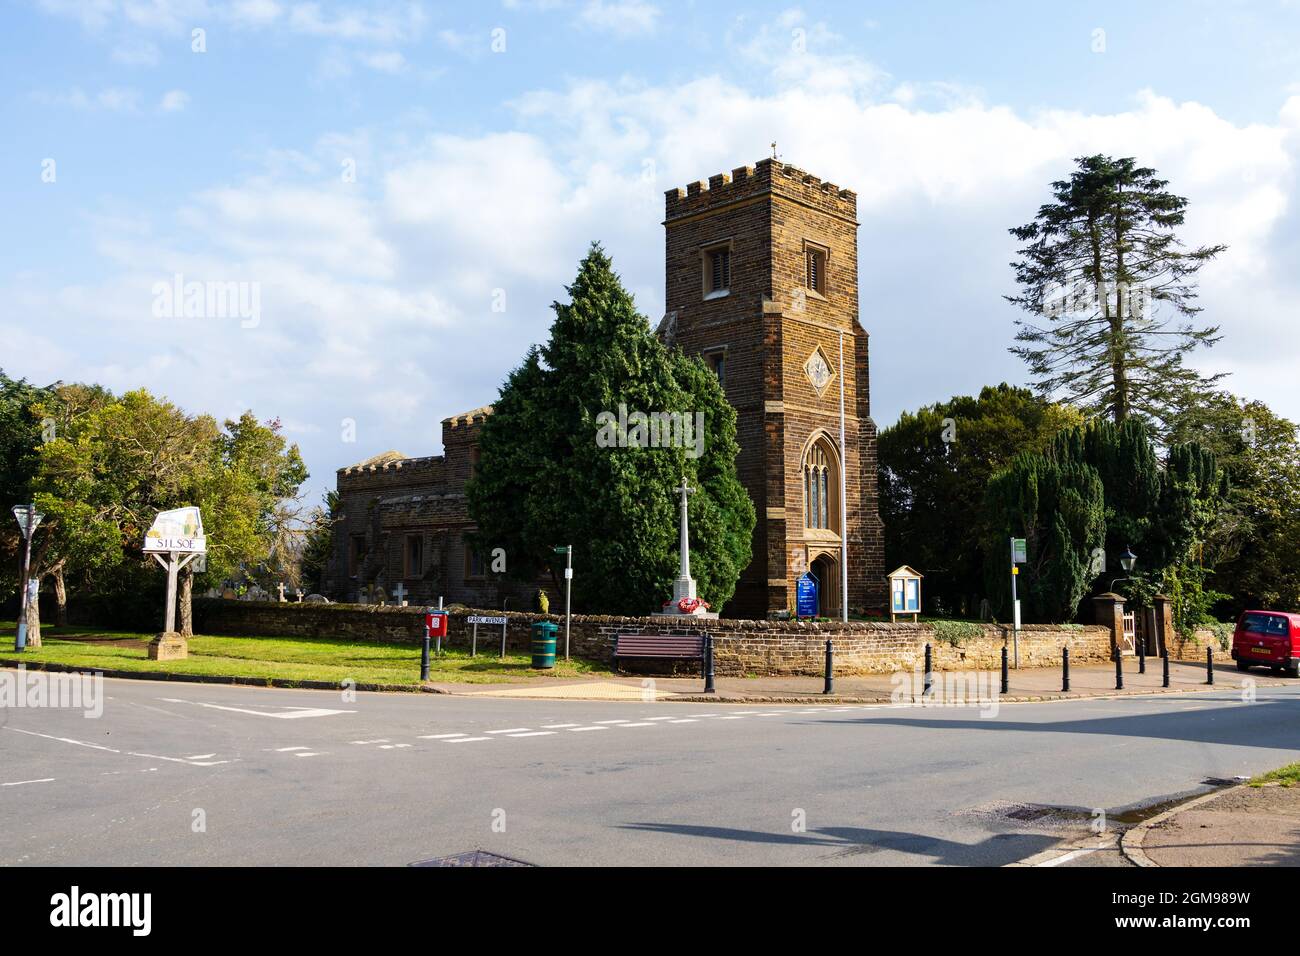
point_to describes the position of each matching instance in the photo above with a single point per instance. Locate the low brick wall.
(763, 648)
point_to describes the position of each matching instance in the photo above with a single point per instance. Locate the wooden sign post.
(175, 539)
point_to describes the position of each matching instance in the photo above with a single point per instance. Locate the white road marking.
(509, 730)
(1073, 855)
(290, 713)
(64, 740)
(644, 723)
(620, 721)
(192, 763)
(392, 746)
(661, 718)
(734, 717)
(200, 757)
(578, 730)
(533, 733)
(19, 783)
(285, 750)
(309, 753)
(558, 726)
(467, 740)
(431, 737)
(380, 740)
(683, 720)
(704, 715)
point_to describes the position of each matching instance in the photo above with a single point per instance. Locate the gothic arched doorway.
(826, 569)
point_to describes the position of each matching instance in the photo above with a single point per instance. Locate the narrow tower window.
(719, 270)
(815, 278)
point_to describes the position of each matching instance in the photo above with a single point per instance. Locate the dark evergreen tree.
(545, 478)
(1110, 289)
(1058, 507)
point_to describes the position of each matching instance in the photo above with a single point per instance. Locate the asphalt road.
(188, 774)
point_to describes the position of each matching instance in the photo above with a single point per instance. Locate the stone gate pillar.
(1164, 622)
(1108, 610)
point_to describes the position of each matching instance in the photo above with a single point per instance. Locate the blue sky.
(492, 142)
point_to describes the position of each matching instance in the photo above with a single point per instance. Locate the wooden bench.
(682, 647)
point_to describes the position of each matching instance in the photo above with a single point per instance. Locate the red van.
(1268, 638)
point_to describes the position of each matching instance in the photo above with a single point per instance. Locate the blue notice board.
(806, 600)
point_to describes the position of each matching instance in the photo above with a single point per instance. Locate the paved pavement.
(1243, 826)
(1037, 683)
(180, 774)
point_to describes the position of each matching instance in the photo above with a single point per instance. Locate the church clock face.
(818, 371)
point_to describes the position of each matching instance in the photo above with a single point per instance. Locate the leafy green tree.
(935, 465)
(1163, 510)
(1251, 546)
(247, 491)
(319, 541)
(102, 480)
(20, 437)
(1058, 507)
(547, 479)
(1111, 292)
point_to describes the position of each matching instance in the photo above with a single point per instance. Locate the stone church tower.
(762, 282)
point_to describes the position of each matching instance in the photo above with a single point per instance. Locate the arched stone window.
(821, 488)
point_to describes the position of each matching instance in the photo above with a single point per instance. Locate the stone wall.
(741, 647)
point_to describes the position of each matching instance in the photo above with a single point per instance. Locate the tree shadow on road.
(844, 842)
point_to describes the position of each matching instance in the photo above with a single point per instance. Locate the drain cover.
(473, 858)
(1031, 812)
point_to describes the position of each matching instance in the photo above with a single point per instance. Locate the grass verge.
(1287, 776)
(286, 658)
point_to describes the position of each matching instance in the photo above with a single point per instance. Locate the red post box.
(436, 622)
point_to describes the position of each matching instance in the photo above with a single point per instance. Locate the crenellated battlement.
(765, 176)
(476, 417)
(390, 470)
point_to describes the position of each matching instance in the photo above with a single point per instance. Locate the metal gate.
(1130, 633)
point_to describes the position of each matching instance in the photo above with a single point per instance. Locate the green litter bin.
(544, 645)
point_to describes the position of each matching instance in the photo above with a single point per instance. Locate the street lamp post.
(1128, 561)
(28, 518)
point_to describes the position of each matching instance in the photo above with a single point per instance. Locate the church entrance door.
(826, 569)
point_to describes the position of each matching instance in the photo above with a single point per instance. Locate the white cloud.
(620, 17)
(174, 101)
(113, 99)
(255, 12)
(136, 52)
(387, 61)
(397, 24)
(377, 295)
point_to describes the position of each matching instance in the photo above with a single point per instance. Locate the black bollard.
(1209, 665)
(929, 672)
(1164, 665)
(1065, 670)
(708, 665)
(424, 657)
(1119, 670)
(1142, 656)
(830, 667)
(1004, 669)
